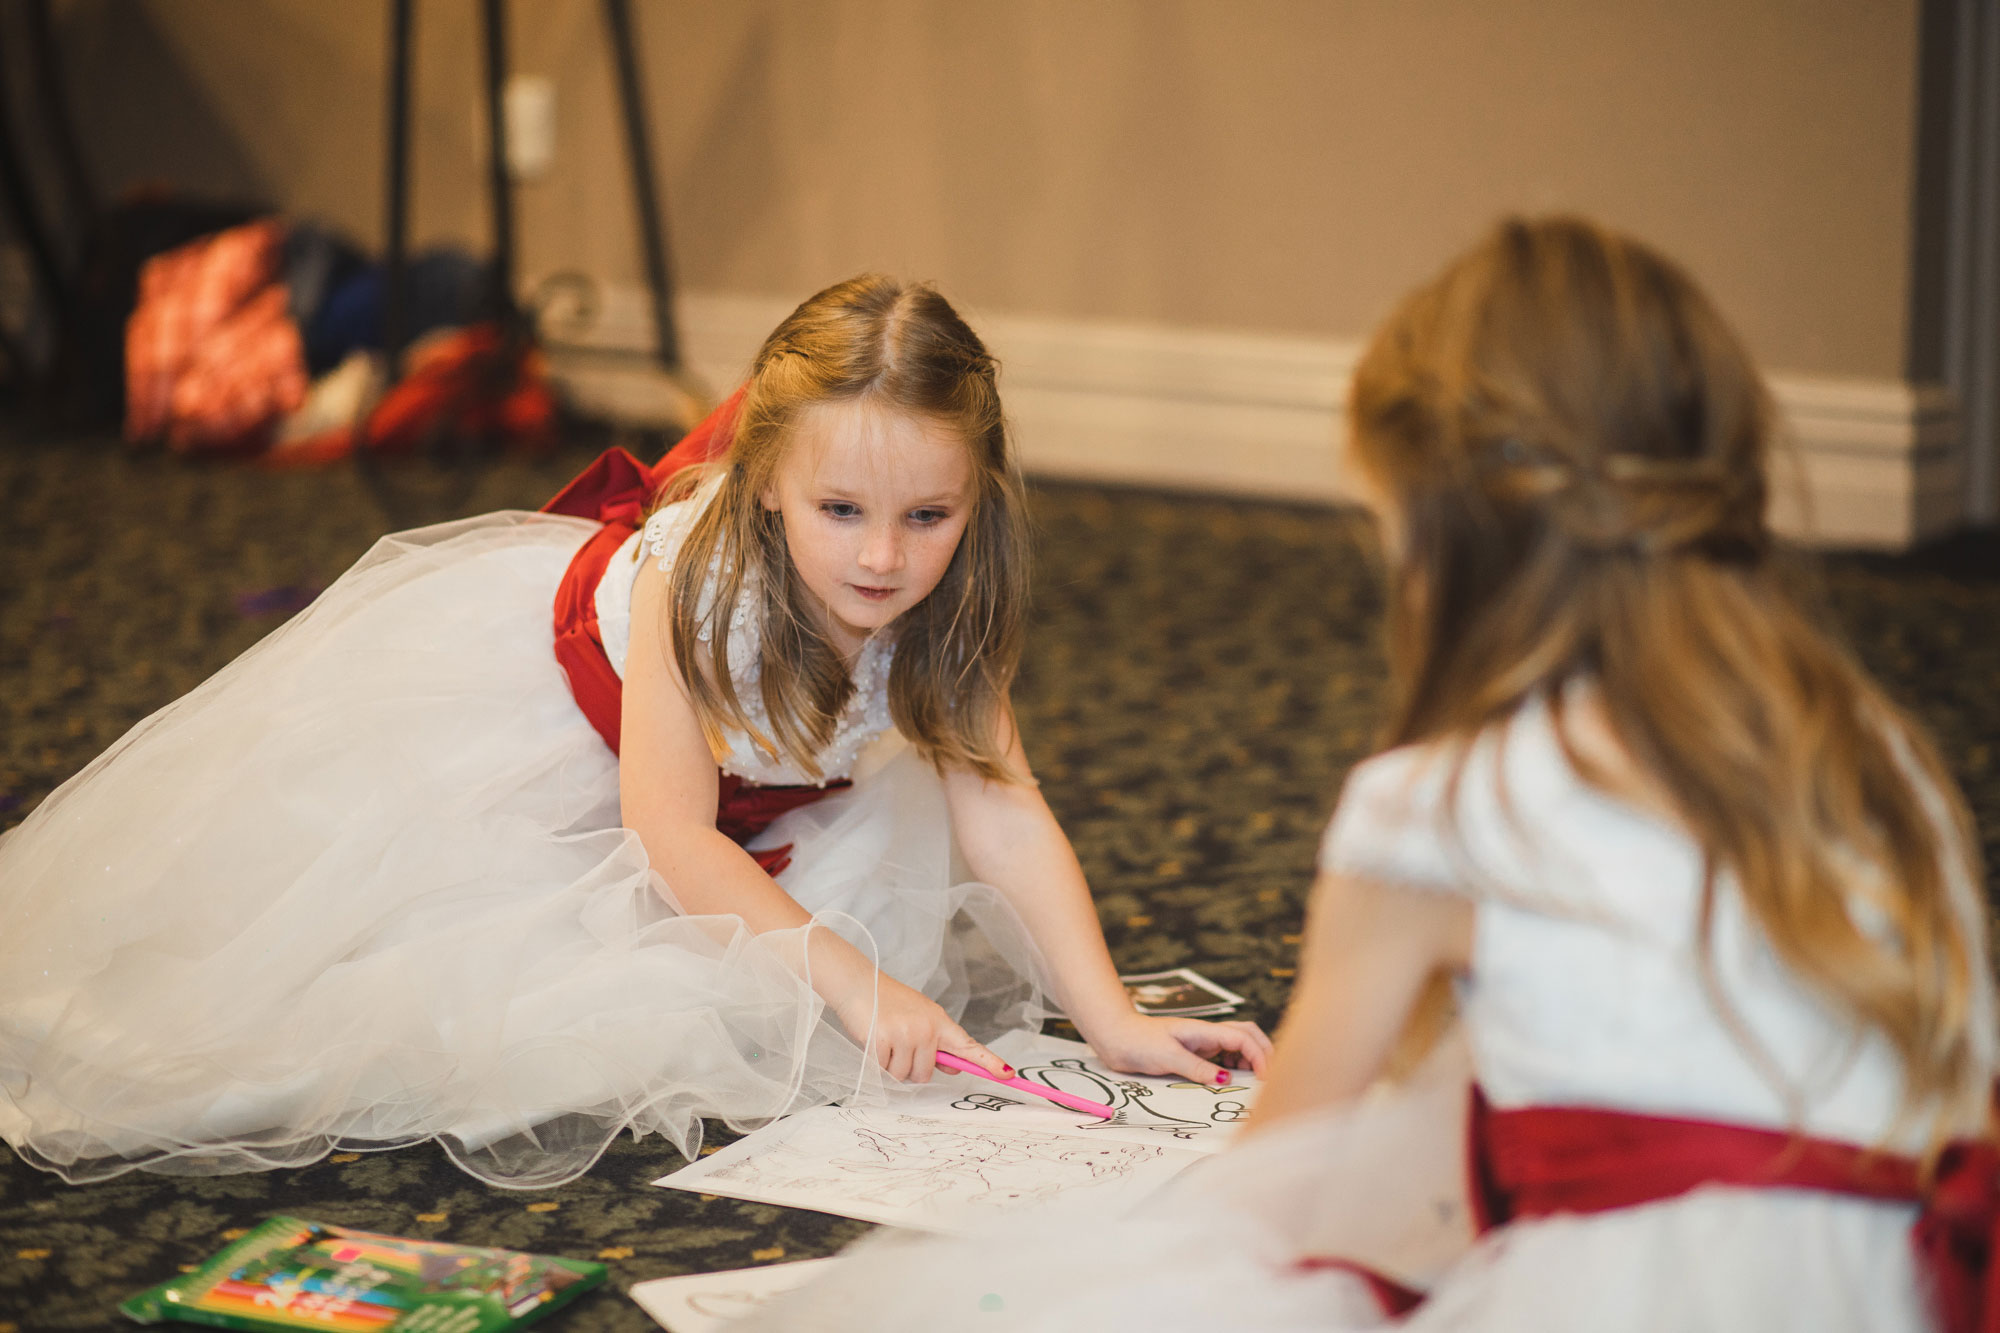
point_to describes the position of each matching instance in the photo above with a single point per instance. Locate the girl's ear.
(769, 497)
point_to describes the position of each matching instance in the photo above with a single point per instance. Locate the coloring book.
(953, 1153)
(1144, 1109)
(925, 1172)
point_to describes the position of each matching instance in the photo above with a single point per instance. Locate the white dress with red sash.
(1586, 990)
(368, 886)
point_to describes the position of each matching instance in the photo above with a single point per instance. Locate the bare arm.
(1011, 840)
(1371, 950)
(667, 788)
(668, 784)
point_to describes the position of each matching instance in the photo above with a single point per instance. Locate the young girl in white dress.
(1708, 898)
(385, 878)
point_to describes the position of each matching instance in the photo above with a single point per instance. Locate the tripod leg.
(639, 157)
(499, 187)
(17, 195)
(396, 190)
(52, 94)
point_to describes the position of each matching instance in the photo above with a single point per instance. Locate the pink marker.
(964, 1066)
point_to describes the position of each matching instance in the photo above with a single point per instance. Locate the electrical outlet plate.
(529, 105)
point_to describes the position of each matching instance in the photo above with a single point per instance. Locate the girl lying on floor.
(385, 878)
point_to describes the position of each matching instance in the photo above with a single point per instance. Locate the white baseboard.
(1881, 461)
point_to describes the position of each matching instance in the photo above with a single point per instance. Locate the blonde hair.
(902, 347)
(1575, 446)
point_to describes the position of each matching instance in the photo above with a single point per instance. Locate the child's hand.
(910, 1029)
(1184, 1046)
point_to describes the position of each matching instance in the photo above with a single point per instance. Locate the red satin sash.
(614, 491)
(1538, 1160)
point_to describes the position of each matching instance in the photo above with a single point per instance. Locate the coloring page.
(916, 1171)
(1144, 1109)
(706, 1302)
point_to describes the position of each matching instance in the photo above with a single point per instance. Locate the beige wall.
(1273, 165)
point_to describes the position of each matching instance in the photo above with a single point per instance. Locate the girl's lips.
(873, 594)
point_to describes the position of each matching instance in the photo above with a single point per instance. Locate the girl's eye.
(839, 509)
(929, 517)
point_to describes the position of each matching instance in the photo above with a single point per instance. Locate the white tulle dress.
(1584, 991)
(367, 886)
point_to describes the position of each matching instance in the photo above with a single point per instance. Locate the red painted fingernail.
(1008, 1070)
(1221, 1077)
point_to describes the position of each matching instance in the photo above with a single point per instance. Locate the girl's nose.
(882, 553)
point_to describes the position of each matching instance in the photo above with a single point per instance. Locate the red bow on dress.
(615, 491)
(1956, 1237)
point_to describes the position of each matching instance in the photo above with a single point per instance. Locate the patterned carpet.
(1200, 675)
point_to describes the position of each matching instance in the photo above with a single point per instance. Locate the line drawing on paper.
(909, 1163)
(1132, 1103)
(1144, 1108)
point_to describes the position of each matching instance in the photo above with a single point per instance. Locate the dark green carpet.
(1200, 675)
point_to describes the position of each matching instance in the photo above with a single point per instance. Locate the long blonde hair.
(869, 339)
(1575, 449)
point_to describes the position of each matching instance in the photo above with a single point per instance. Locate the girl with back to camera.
(1708, 897)
(387, 878)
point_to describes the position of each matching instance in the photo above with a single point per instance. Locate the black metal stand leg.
(639, 153)
(498, 185)
(17, 194)
(51, 88)
(397, 191)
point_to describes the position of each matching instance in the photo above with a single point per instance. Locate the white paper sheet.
(709, 1302)
(932, 1173)
(1146, 1109)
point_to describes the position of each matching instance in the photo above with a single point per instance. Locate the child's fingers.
(958, 1043)
(1245, 1041)
(1234, 1044)
(1182, 1057)
(924, 1059)
(898, 1058)
(1197, 1070)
